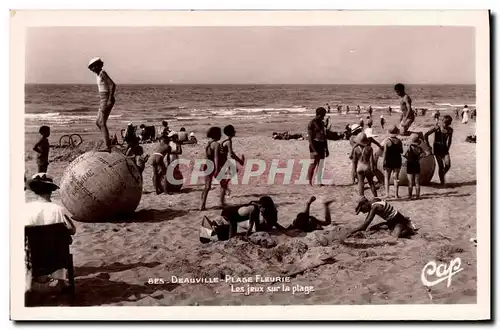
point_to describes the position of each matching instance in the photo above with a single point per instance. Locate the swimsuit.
(318, 133)
(413, 163)
(393, 154)
(440, 146)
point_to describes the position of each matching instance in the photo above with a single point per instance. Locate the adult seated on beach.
(182, 135)
(42, 212)
(304, 222)
(148, 133)
(192, 138)
(262, 213)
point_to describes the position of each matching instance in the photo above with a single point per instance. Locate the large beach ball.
(427, 164)
(97, 186)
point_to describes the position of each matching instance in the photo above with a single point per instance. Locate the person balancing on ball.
(106, 88)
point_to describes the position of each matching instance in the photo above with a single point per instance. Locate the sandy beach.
(114, 261)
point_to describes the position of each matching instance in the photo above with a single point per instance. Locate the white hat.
(381, 116)
(191, 134)
(130, 124)
(369, 132)
(94, 60)
(355, 127)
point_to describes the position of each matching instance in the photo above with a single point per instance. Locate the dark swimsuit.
(413, 159)
(393, 155)
(440, 146)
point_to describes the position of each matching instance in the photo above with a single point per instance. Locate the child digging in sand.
(42, 149)
(106, 96)
(413, 155)
(216, 155)
(307, 223)
(399, 224)
(363, 164)
(443, 135)
(393, 148)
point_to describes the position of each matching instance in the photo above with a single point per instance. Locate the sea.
(63, 105)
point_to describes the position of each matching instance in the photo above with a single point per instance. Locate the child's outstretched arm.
(355, 160)
(428, 133)
(450, 136)
(369, 218)
(233, 154)
(308, 205)
(376, 143)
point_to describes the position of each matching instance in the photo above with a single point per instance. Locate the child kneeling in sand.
(307, 223)
(399, 224)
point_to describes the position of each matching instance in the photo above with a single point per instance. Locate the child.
(183, 136)
(393, 148)
(307, 223)
(443, 135)
(363, 164)
(436, 116)
(106, 95)
(216, 155)
(413, 155)
(42, 148)
(165, 130)
(407, 113)
(139, 158)
(370, 110)
(192, 138)
(382, 121)
(227, 144)
(131, 139)
(361, 122)
(318, 144)
(174, 156)
(160, 180)
(369, 121)
(398, 223)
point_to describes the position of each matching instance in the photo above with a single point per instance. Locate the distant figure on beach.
(370, 110)
(393, 150)
(165, 130)
(443, 135)
(318, 145)
(160, 179)
(347, 109)
(400, 225)
(407, 113)
(413, 156)
(42, 212)
(328, 109)
(339, 109)
(436, 116)
(465, 114)
(192, 138)
(473, 114)
(148, 133)
(42, 148)
(382, 121)
(287, 136)
(106, 88)
(216, 157)
(183, 135)
(358, 108)
(457, 115)
(369, 122)
(305, 222)
(363, 164)
(361, 122)
(131, 139)
(390, 111)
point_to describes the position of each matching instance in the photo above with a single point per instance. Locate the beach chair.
(47, 250)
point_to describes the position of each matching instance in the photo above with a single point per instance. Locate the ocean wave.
(56, 117)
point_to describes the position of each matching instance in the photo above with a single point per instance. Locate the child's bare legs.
(223, 190)
(441, 167)
(447, 164)
(416, 178)
(308, 205)
(396, 181)
(312, 167)
(361, 183)
(369, 178)
(204, 194)
(102, 118)
(387, 178)
(411, 183)
(398, 230)
(328, 218)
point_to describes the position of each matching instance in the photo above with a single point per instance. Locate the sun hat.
(362, 139)
(94, 61)
(41, 183)
(191, 134)
(361, 200)
(393, 130)
(369, 132)
(415, 139)
(355, 127)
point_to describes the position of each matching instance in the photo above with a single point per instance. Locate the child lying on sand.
(307, 223)
(398, 223)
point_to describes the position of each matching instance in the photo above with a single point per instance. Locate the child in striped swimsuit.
(399, 224)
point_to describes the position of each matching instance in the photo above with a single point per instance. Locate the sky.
(254, 55)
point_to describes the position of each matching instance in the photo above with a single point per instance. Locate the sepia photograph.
(326, 161)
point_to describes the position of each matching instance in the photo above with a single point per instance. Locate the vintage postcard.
(250, 165)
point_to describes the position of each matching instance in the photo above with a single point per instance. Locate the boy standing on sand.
(407, 113)
(318, 145)
(107, 89)
(413, 155)
(42, 148)
(382, 121)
